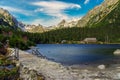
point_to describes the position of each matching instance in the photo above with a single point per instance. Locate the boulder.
(117, 52)
(101, 67)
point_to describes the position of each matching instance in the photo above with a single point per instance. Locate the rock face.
(21, 26)
(65, 24)
(34, 28)
(62, 23)
(99, 13)
(7, 19)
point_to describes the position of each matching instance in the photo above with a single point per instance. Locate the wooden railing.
(35, 51)
(14, 54)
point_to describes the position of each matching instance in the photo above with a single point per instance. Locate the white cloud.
(11, 9)
(39, 10)
(86, 1)
(55, 8)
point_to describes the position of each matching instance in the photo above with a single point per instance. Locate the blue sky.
(48, 12)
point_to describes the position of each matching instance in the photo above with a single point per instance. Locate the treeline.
(24, 40)
(78, 34)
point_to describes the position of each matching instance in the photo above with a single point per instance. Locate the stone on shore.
(117, 52)
(101, 67)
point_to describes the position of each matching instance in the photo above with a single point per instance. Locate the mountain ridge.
(7, 19)
(111, 19)
(98, 13)
(34, 28)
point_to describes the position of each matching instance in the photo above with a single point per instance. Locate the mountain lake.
(76, 54)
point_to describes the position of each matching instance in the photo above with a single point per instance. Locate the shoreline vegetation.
(75, 35)
(9, 66)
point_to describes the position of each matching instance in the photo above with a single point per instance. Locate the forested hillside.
(16, 38)
(78, 34)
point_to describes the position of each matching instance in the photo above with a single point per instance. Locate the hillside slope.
(112, 19)
(99, 13)
(34, 28)
(6, 19)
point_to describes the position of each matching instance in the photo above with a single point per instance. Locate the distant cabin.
(90, 40)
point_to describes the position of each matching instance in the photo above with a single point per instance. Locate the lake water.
(75, 54)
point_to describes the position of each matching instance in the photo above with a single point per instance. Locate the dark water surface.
(73, 54)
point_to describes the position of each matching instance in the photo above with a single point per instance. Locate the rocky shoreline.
(36, 68)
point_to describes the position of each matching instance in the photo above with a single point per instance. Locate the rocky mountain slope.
(34, 29)
(112, 19)
(65, 23)
(6, 19)
(99, 13)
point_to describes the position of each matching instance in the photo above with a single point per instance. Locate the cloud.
(86, 1)
(56, 9)
(11, 9)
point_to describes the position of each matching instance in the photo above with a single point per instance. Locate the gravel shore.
(55, 71)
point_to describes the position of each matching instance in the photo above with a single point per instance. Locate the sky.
(48, 12)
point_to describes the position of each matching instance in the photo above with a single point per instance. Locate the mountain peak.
(62, 22)
(34, 28)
